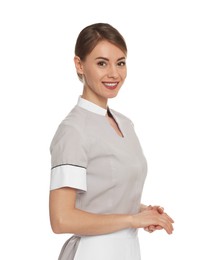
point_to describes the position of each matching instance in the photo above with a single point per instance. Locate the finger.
(169, 228)
(166, 224)
(158, 227)
(160, 209)
(149, 207)
(147, 229)
(151, 228)
(169, 218)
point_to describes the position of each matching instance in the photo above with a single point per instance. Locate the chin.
(112, 94)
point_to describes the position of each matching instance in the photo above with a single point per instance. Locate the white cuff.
(68, 176)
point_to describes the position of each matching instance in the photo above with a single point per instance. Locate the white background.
(166, 96)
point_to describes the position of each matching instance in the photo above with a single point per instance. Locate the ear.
(78, 64)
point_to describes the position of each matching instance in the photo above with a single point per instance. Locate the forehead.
(107, 50)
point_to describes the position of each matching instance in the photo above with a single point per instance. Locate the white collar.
(84, 103)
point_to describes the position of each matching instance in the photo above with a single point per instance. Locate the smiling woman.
(98, 167)
(103, 72)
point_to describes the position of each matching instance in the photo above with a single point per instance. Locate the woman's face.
(104, 71)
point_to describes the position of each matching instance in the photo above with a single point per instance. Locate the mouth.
(111, 85)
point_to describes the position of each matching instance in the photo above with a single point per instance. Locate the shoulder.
(72, 127)
(77, 118)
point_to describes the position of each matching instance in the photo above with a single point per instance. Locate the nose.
(113, 72)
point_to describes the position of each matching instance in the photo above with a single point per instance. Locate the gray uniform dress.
(108, 172)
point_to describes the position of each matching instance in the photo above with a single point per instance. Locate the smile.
(110, 85)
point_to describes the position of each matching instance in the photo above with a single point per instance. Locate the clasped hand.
(155, 218)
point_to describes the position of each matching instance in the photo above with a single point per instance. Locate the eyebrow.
(103, 58)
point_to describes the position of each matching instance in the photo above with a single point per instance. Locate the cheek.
(124, 74)
(88, 76)
(96, 76)
(90, 73)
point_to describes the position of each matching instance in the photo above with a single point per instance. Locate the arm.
(66, 218)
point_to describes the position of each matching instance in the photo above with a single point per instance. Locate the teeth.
(110, 84)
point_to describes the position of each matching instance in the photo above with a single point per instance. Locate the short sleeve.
(68, 159)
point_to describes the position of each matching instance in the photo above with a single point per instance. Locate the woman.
(98, 168)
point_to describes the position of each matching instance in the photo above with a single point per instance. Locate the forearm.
(84, 223)
(66, 218)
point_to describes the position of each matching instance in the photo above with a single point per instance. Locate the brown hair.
(91, 35)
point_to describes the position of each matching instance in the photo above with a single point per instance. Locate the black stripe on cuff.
(68, 164)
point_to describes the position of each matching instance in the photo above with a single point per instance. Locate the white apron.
(122, 245)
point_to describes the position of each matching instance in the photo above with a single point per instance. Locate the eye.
(101, 63)
(121, 63)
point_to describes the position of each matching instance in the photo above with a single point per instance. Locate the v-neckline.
(114, 124)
